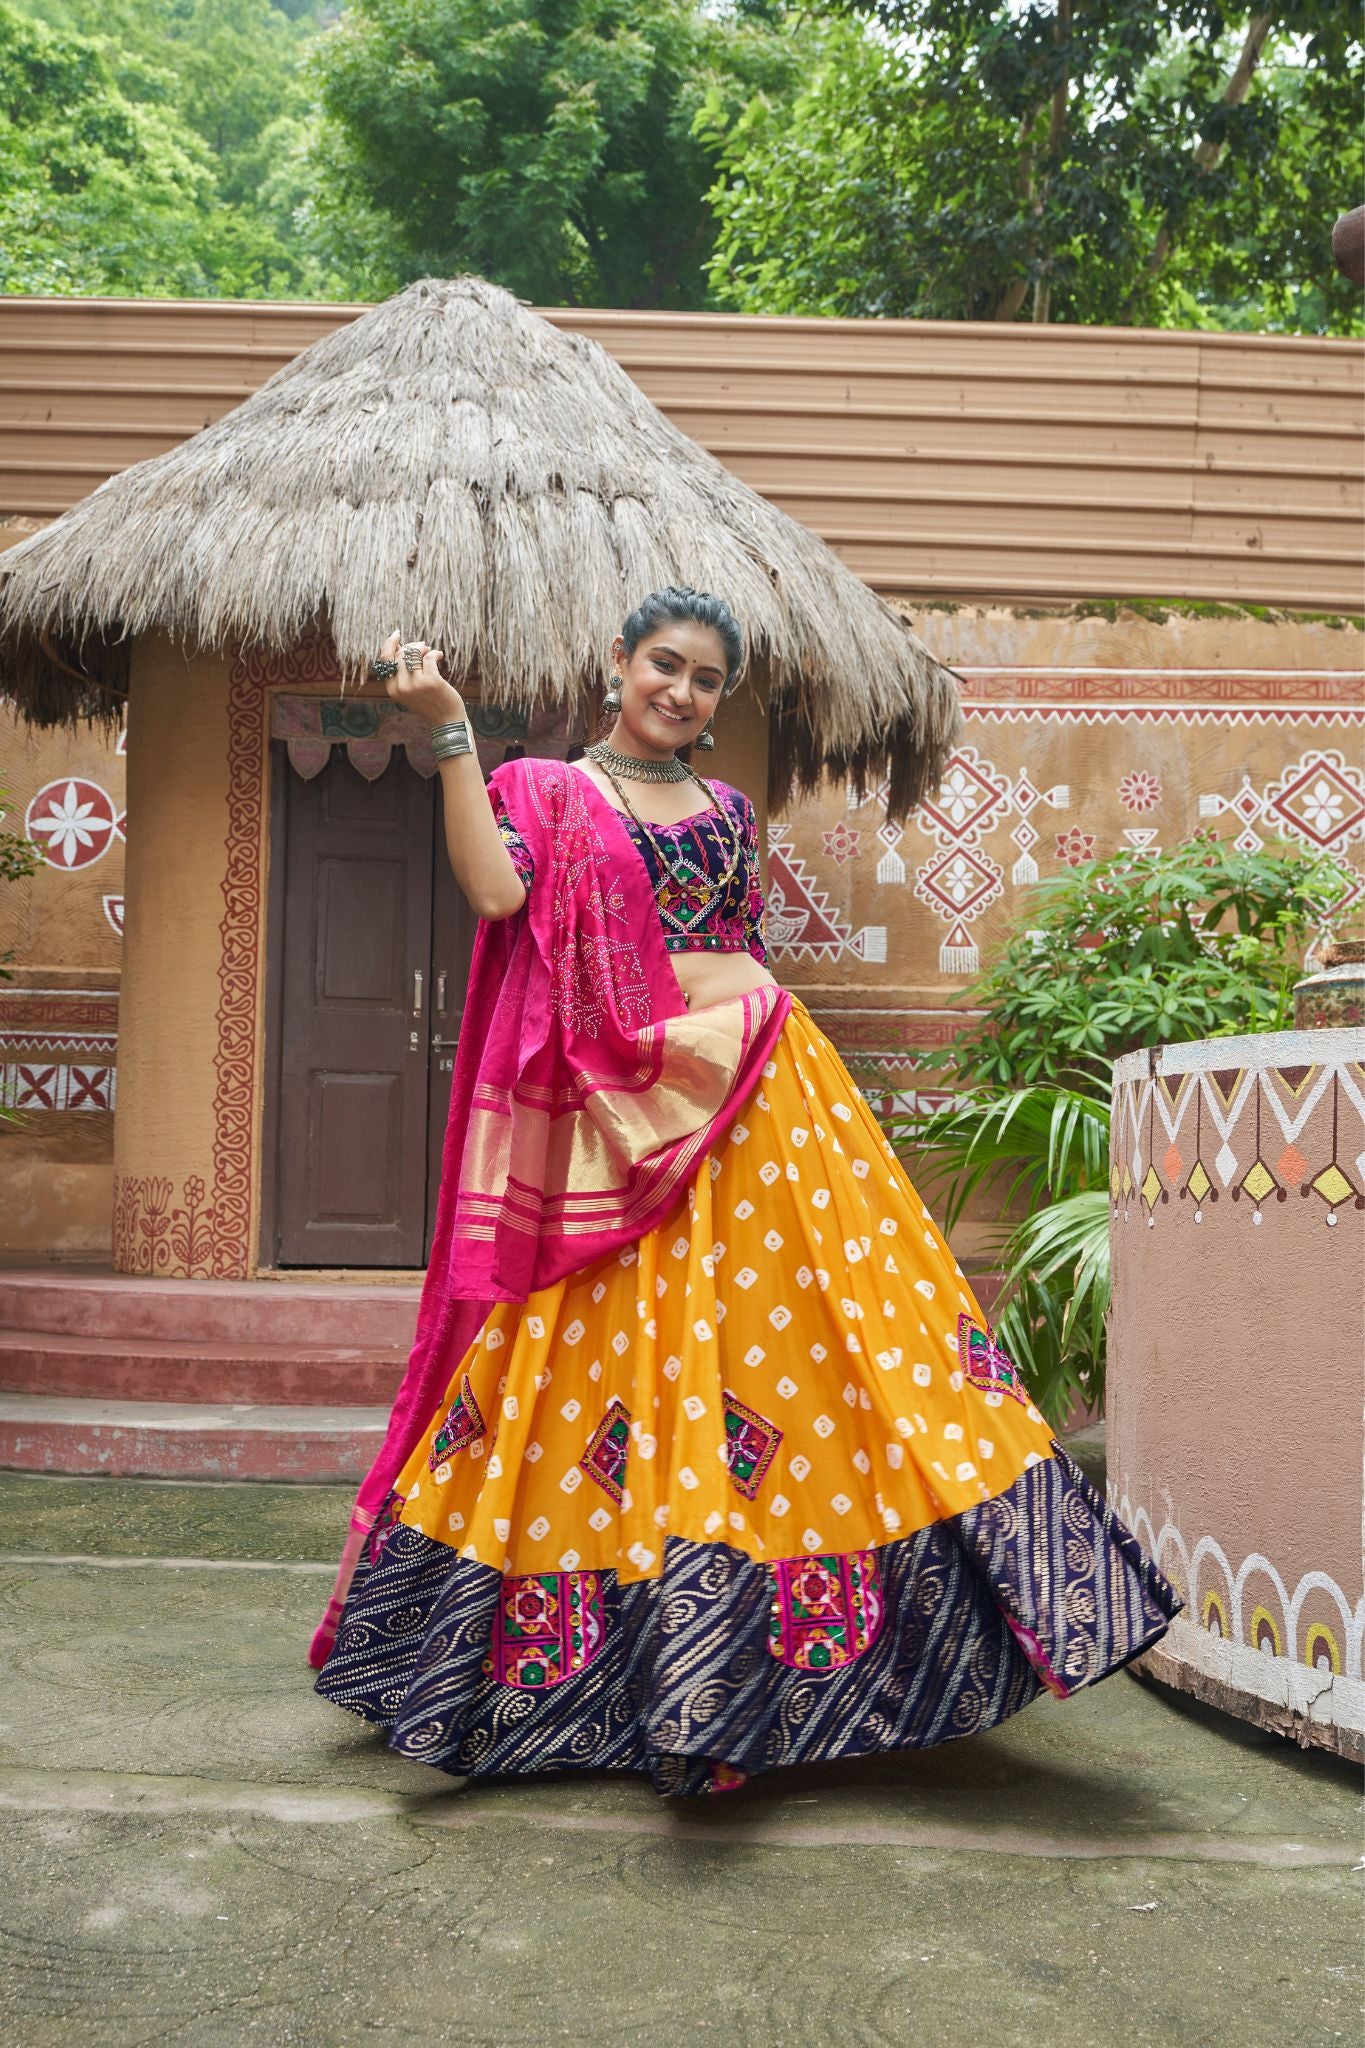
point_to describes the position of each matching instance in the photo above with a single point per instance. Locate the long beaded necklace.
(683, 872)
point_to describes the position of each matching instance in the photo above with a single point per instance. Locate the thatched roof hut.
(454, 464)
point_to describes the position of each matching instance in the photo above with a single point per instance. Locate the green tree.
(98, 192)
(229, 71)
(166, 152)
(547, 144)
(1109, 162)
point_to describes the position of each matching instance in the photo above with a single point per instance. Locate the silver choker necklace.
(632, 768)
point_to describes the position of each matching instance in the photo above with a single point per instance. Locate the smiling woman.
(677, 655)
(706, 1459)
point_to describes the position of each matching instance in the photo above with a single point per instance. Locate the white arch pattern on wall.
(1161, 1543)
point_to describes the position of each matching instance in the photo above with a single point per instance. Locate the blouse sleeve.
(513, 841)
(755, 937)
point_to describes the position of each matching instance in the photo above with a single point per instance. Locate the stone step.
(67, 1302)
(184, 1440)
(102, 1368)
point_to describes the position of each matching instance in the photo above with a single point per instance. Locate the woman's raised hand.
(423, 690)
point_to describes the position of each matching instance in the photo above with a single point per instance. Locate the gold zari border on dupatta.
(604, 1151)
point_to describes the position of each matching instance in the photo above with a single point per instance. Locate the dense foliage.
(1192, 942)
(545, 143)
(1114, 163)
(156, 148)
(1199, 941)
(1177, 165)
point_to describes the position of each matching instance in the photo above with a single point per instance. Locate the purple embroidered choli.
(733, 922)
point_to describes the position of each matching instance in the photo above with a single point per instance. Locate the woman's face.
(669, 686)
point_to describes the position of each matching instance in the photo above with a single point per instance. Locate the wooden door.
(355, 966)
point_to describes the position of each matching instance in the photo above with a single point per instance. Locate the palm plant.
(1047, 1146)
(1195, 942)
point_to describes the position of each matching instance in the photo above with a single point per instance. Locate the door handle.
(416, 991)
(445, 1044)
(441, 981)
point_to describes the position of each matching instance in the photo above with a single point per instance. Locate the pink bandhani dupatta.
(585, 1094)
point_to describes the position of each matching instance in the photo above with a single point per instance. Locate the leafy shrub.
(1199, 941)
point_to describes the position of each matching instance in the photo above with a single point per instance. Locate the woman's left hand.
(423, 690)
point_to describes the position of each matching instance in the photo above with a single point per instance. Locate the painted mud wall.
(1235, 1439)
(59, 987)
(1084, 734)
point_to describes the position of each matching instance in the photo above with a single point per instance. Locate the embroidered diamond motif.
(826, 1610)
(546, 1628)
(985, 1364)
(462, 1425)
(605, 1458)
(751, 1443)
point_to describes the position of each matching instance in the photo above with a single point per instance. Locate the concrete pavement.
(199, 1852)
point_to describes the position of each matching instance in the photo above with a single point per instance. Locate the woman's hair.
(679, 602)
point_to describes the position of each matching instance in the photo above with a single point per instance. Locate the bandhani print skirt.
(762, 1489)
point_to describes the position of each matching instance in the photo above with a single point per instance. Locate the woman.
(706, 1460)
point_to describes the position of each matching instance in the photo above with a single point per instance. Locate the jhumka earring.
(705, 739)
(611, 703)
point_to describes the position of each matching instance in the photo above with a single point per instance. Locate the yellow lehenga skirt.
(760, 1488)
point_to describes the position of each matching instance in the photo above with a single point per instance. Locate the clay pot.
(1334, 997)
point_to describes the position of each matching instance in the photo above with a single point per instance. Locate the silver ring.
(412, 651)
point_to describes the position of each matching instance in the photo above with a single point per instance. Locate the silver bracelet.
(453, 738)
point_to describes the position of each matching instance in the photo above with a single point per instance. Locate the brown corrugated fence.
(937, 458)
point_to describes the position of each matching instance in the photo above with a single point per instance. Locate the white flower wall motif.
(73, 820)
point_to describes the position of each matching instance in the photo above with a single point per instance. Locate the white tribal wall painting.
(1057, 767)
(879, 928)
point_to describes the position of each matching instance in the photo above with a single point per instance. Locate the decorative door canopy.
(371, 727)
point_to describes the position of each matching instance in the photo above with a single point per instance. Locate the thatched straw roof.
(451, 463)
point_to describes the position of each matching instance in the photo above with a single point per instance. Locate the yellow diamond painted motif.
(1199, 1181)
(1114, 1182)
(1259, 1182)
(1151, 1186)
(1332, 1185)
(1127, 1182)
